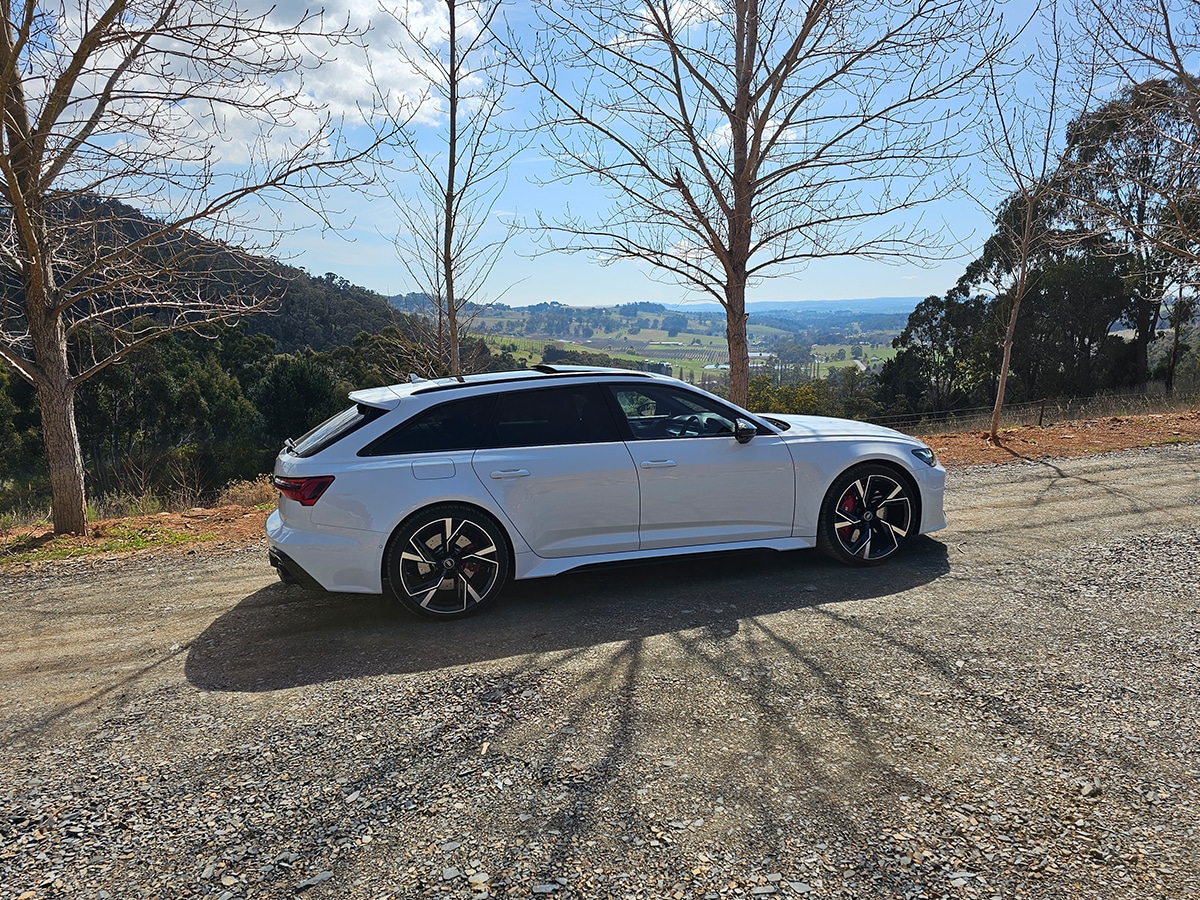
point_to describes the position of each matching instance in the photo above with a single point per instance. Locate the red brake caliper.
(847, 505)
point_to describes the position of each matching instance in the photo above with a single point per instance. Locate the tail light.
(307, 490)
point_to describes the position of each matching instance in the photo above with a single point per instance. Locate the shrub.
(259, 492)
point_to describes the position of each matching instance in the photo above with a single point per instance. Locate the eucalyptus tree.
(741, 139)
(946, 352)
(185, 109)
(1131, 177)
(1136, 40)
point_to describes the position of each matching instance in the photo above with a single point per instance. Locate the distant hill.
(419, 303)
(872, 305)
(327, 311)
(411, 303)
(321, 312)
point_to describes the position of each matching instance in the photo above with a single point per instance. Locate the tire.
(867, 515)
(447, 562)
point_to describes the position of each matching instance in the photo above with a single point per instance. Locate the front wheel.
(447, 561)
(866, 516)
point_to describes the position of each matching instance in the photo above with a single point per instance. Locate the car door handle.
(510, 473)
(659, 464)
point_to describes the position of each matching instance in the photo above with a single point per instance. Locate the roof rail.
(552, 369)
(522, 376)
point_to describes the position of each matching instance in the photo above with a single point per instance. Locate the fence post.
(1042, 412)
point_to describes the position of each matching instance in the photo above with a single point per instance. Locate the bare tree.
(739, 139)
(455, 137)
(184, 109)
(1022, 150)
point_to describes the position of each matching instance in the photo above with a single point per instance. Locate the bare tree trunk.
(741, 211)
(1172, 363)
(1146, 313)
(52, 381)
(735, 336)
(1002, 383)
(1181, 314)
(451, 179)
(56, 397)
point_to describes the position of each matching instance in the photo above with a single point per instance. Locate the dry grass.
(256, 493)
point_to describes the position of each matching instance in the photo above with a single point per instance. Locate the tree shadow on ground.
(281, 637)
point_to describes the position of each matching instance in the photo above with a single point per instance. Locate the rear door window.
(577, 414)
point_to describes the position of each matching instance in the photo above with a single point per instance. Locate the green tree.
(1063, 345)
(947, 354)
(1132, 178)
(170, 418)
(295, 394)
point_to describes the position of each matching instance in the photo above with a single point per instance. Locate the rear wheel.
(447, 561)
(867, 515)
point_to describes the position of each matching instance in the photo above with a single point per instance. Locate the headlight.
(925, 455)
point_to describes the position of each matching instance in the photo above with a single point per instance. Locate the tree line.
(184, 415)
(1100, 258)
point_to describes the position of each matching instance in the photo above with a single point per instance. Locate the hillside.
(320, 312)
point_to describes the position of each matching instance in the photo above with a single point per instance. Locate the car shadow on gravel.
(281, 636)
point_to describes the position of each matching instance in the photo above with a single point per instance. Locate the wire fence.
(1043, 412)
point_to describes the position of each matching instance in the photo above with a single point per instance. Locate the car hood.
(824, 427)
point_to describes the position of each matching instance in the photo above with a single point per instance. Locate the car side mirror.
(744, 430)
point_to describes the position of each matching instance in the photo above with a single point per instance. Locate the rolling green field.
(695, 353)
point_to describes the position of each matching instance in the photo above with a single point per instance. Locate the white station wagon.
(442, 490)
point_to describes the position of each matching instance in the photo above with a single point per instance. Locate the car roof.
(390, 396)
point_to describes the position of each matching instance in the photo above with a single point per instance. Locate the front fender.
(819, 462)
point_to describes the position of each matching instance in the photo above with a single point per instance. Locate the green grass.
(25, 548)
(528, 349)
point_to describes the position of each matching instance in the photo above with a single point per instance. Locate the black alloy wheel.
(867, 515)
(447, 561)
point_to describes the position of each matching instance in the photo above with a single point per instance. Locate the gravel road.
(1009, 710)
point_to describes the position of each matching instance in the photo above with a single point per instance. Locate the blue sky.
(359, 246)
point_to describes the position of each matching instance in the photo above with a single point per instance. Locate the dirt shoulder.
(1059, 440)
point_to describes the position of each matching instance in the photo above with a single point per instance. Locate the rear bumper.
(290, 571)
(332, 559)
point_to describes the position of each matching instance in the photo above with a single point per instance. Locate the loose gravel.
(1008, 711)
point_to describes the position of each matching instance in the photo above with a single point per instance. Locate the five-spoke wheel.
(867, 514)
(447, 561)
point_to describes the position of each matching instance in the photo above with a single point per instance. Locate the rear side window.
(334, 429)
(457, 425)
(564, 415)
